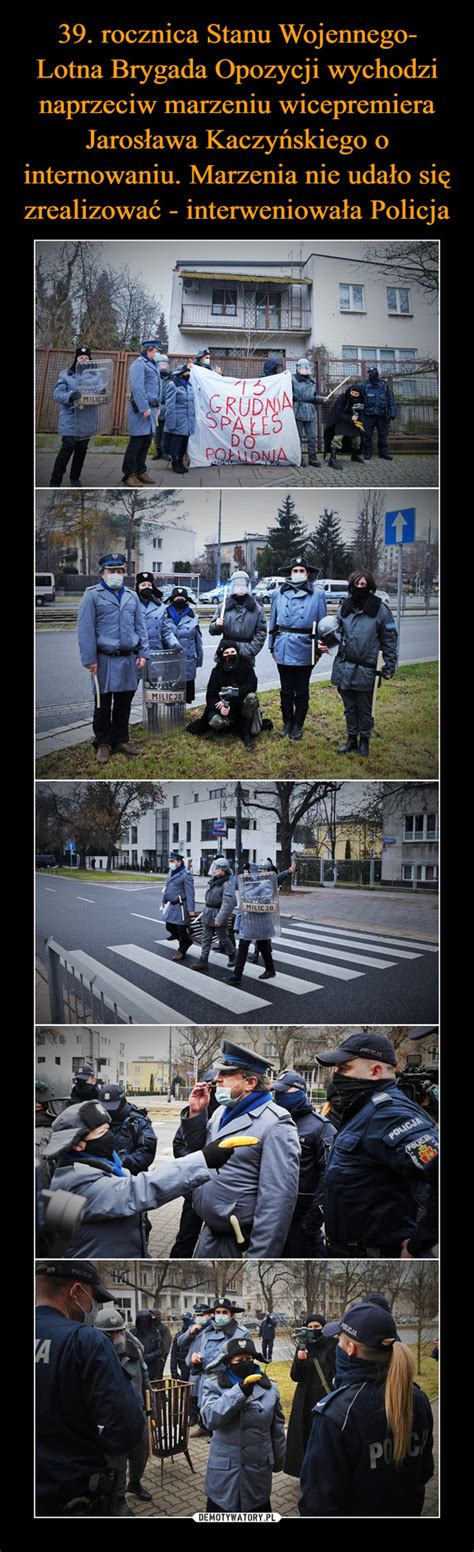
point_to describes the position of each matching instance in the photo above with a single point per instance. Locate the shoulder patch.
(381, 1099)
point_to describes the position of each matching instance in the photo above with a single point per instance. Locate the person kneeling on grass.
(231, 699)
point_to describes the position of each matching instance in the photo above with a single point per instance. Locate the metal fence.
(81, 991)
(113, 416)
(364, 872)
(414, 384)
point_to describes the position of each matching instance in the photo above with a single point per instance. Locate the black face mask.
(101, 1147)
(145, 594)
(343, 1091)
(244, 1367)
(86, 1090)
(360, 595)
(179, 603)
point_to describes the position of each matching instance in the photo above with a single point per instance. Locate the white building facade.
(241, 307)
(160, 546)
(410, 837)
(198, 821)
(61, 1050)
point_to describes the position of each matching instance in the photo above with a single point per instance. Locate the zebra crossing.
(315, 963)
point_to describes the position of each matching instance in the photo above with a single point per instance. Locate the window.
(157, 544)
(381, 355)
(407, 871)
(196, 797)
(216, 792)
(134, 835)
(175, 836)
(351, 299)
(267, 310)
(156, 565)
(398, 300)
(188, 830)
(176, 802)
(40, 1060)
(224, 303)
(207, 832)
(421, 827)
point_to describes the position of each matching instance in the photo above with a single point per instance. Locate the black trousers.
(265, 949)
(159, 433)
(267, 1349)
(358, 711)
(135, 455)
(216, 1508)
(372, 423)
(179, 930)
(176, 447)
(190, 1226)
(71, 447)
(294, 693)
(111, 718)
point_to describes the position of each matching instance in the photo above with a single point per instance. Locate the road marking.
(286, 983)
(317, 966)
(141, 917)
(157, 1012)
(338, 953)
(50, 891)
(86, 898)
(360, 935)
(188, 980)
(323, 937)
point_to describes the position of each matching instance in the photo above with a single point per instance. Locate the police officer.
(131, 1358)
(384, 1147)
(133, 1134)
(267, 1333)
(76, 426)
(379, 409)
(87, 1412)
(144, 403)
(306, 1237)
(241, 1406)
(296, 608)
(113, 643)
(370, 1451)
(85, 1085)
(249, 1208)
(159, 627)
(82, 1146)
(219, 902)
(189, 1344)
(365, 626)
(179, 902)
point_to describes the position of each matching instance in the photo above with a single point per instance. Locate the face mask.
(102, 1147)
(289, 1101)
(345, 1090)
(223, 1096)
(146, 593)
(244, 1367)
(299, 577)
(119, 1343)
(114, 579)
(179, 603)
(89, 1315)
(360, 595)
(343, 1363)
(230, 662)
(240, 592)
(221, 1320)
(86, 1090)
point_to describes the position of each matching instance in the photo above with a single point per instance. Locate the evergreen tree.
(162, 333)
(288, 539)
(99, 327)
(328, 551)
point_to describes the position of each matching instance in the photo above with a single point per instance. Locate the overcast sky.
(245, 512)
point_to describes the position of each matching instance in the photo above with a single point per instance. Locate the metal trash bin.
(168, 1429)
(164, 690)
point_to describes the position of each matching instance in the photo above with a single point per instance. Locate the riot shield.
(94, 383)
(164, 690)
(259, 904)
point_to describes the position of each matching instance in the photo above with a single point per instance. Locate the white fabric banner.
(243, 420)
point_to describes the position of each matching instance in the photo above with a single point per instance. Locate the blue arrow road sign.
(400, 526)
(70, 845)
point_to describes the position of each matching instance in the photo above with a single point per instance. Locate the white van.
(336, 590)
(45, 587)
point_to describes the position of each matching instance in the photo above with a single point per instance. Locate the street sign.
(219, 827)
(389, 840)
(400, 526)
(70, 846)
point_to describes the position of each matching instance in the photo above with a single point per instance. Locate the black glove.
(216, 1156)
(386, 673)
(74, 396)
(247, 1385)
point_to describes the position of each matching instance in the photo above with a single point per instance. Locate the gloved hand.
(313, 1222)
(386, 673)
(74, 396)
(248, 1383)
(215, 1156)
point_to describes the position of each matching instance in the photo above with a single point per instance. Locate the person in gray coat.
(220, 901)
(113, 643)
(241, 1406)
(305, 399)
(144, 403)
(248, 1208)
(240, 619)
(131, 1358)
(366, 628)
(76, 424)
(86, 1164)
(179, 902)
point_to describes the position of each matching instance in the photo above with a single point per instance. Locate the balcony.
(248, 317)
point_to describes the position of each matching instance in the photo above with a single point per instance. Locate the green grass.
(280, 1374)
(91, 875)
(404, 743)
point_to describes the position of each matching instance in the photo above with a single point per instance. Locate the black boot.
(286, 730)
(387, 456)
(139, 1492)
(178, 468)
(356, 458)
(296, 732)
(247, 739)
(315, 463)
(349, 746)
(333, 463)
(364, 745)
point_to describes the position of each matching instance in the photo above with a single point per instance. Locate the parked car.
(336, 590)
(214, 595)
(45, 587)
(265, 589)
(45, 859)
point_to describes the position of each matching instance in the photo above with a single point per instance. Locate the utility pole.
(170, 1064)
(427, 570)
(219, 540)
(238, 826)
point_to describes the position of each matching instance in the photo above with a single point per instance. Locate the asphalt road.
(63, 689)
(325, 973)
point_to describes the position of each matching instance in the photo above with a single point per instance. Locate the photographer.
(231, 699)
(313, 1369)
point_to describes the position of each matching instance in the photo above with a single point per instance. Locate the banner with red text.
(243, 420)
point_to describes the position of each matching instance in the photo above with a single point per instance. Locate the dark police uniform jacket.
(381, 1154)
(348, 1467)
(86, 1408)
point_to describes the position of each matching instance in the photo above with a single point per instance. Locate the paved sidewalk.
(407, 913)
(183, 1494)
(406, 469)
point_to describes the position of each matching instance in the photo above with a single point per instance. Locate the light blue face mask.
(115, 579)
(223, 1096)
(221, 1320)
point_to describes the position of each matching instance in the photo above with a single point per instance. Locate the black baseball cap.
(362, 1043)
(365, 1322)
(79, 1271)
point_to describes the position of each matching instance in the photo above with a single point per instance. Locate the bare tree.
(424, 1289)
(408, 263)
(368, 540)
(290, 801)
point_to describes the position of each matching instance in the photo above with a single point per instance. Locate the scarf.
(178, 614)
(114, 1164)
(249, 1102)
(354, 1369)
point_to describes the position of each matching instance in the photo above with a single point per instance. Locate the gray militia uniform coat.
(113, 1222)
(258, 1184)
(248, 1441)
(107, 621)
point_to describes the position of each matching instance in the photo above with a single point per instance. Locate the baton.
(378, 680)
(235, 1225)
(97, 691)
(338, 386)
(220, 621)
(313, 643)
